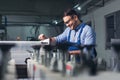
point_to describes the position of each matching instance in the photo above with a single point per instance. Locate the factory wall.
(97, 17)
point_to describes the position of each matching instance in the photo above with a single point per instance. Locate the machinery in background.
(6, 46)
(3, 32)
(115, 62)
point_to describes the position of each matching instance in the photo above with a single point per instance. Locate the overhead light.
(55, 21)
(79, 8)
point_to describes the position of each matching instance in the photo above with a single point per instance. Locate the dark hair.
(70, 12)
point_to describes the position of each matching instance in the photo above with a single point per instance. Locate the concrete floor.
(50, 75)
(84, 76)
(101, 76)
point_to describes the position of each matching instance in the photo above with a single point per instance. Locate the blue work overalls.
(75, 45)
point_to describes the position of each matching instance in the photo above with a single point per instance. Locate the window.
(112, 27)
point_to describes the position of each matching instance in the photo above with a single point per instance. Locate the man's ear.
(75, 17)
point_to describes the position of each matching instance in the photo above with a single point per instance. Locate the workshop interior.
(24, 57)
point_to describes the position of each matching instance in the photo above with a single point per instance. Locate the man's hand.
(75, 52)
(41, 37)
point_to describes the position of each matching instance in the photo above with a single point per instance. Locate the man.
(76, 34)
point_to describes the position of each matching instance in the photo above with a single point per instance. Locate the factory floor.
(101, 76)
(51, 75)
(44, 73)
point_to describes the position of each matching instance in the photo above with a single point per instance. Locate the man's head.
(71, 18)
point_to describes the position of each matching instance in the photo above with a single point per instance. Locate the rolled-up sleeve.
(62, 37)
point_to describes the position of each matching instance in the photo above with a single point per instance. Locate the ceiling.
(36, 7)
(44, 10)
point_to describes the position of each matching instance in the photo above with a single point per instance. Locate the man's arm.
(90, 37)
(43, 37)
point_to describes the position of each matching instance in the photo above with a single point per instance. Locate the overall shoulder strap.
(82, 26)
(81, 29)
(69, 36)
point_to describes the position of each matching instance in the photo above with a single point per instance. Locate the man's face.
(70, 21)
